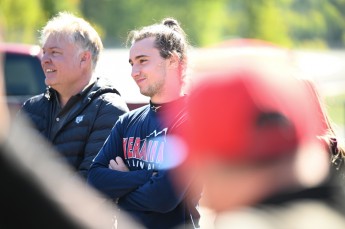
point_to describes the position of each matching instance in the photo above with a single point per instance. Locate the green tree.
(335, 21)
(52, 7)
(317, 22)
(202, 20)
(20, 20)
(260, 19)
(284, 22)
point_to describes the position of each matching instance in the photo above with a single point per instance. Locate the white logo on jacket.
(79, 119)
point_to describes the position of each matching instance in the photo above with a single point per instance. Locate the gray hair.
(75, 30)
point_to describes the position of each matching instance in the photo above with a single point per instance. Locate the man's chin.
(145, 93)
(49, 82)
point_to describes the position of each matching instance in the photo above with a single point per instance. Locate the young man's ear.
(174, 60)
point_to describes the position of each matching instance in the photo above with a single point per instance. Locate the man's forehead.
(143, 47)
(56, 40)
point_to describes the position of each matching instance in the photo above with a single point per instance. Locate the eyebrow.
(50, 48)
(137, 57)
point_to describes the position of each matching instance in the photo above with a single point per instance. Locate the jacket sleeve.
(111, 107)
(112, 183)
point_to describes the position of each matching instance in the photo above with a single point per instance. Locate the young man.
(78, 110)
(132, 168)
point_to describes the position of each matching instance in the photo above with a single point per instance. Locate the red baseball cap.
(248, 115)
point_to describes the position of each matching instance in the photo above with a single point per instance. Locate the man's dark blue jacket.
(86, 127)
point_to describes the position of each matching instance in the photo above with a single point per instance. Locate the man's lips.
(139, 81)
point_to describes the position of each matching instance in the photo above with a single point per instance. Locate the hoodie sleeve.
(162, 193)
(165, 190)
(112, 183)
(158, 194)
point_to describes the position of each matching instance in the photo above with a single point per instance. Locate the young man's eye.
(142, 61)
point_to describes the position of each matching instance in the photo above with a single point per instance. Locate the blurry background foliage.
(317, 24)
(295, 24)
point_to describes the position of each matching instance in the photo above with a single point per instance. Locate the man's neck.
(168, 97)
(66, 94)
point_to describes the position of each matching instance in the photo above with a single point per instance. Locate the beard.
(153, 89)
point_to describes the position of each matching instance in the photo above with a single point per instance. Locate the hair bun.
(170, 22)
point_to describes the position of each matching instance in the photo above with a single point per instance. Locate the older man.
(78, 110)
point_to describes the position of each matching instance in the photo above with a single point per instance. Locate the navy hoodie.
(147, 192)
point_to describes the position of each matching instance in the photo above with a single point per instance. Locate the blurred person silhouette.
(327, 133)
(78, 109)
(133, 167)
(37, 191)
(259, 161)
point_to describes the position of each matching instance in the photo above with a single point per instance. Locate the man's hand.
(118, 164)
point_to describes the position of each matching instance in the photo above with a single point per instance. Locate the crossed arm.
(118, 165)
(140, 190)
